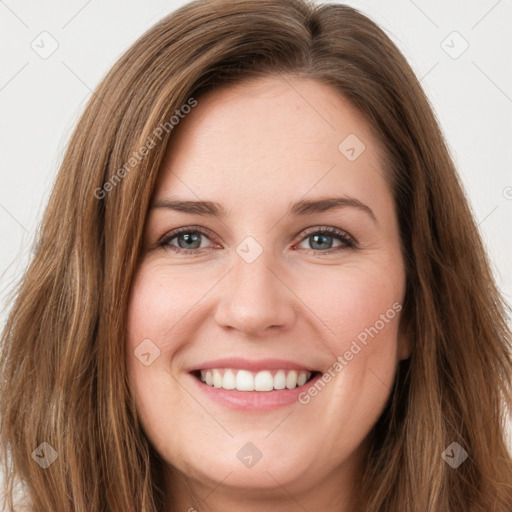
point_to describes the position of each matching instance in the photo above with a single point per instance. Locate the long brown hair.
(63, 378)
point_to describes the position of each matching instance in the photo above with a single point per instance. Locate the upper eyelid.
(175, 232)
(329, 229)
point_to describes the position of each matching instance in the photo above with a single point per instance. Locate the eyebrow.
(301, 208)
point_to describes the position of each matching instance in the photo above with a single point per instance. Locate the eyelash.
(347, 240)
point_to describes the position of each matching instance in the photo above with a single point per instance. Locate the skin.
(256, 148)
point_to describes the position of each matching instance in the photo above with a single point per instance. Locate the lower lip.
(254, 400)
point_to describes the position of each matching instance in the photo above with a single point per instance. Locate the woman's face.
(259, 296)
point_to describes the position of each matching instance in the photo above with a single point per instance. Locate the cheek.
(360, 319)
(159, 306)
(364, 361)
(153, 325)
(357, 302)
(153, 316)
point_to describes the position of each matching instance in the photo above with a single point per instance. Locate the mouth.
(252, 385)
(261, 381)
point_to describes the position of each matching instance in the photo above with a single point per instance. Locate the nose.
(254, 297)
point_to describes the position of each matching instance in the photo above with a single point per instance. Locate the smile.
(244, 380)
(252, 384)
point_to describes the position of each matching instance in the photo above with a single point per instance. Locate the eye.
(188, 240)
(321, 237)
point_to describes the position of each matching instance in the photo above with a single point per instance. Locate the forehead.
(272, 137)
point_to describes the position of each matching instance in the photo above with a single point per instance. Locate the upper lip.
(254, 365)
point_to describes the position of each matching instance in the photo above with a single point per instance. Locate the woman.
(182, 339)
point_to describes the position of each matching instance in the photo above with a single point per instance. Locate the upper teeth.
(243, 380)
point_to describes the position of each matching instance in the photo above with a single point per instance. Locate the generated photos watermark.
(138, 156)
(355, 347)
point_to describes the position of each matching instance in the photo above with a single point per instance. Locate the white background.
(40, 99)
